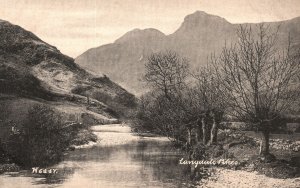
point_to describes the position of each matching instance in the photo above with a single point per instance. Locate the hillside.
(123, 61)
(34, 72)
(199, 36)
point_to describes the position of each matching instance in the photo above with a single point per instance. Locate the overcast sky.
(74, 26)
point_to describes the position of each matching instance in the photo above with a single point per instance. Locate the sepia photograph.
(149, 93)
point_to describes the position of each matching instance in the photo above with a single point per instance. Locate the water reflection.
(163, 160)
(141, 163)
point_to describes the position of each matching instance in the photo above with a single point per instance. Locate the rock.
(267, 158)
(250, 167)
(72, 148)
(295, 161)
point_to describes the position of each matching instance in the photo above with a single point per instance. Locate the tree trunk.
(173, 132)
(198, 134)
(204, 131)
(264, 144)
(189, 137)
(214, 132)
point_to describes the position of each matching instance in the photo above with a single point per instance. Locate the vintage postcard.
(149, 93)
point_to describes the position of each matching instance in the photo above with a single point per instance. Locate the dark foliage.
(42, 139)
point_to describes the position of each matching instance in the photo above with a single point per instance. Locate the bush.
(276, 169)
(159, 115)
(84, 137)
(4, 158)
(9, 168)
(199, 152)
(42, 138)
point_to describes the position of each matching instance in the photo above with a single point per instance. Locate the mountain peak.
(137, 34)
(200, 16)
(200, 22)
(199, 13)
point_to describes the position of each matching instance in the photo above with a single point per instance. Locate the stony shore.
(224, 178)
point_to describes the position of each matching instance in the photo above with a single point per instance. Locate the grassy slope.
(32, 68)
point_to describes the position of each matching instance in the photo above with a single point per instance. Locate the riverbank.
(224, 178)
(79, 135)
(120, 157)
(220, 178)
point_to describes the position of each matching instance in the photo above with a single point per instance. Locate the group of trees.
(251, 82)
(42, 139)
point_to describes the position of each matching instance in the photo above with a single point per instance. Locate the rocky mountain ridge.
(199, 36)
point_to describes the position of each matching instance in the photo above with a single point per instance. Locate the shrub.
(42, 139)
(9, 168)
(199, 152)
(84, 137)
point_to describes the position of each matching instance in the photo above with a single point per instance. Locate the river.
(119, 159)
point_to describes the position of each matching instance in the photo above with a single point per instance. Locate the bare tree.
(260, 80)
(201, 106)
(211, 101)
(166, 72)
